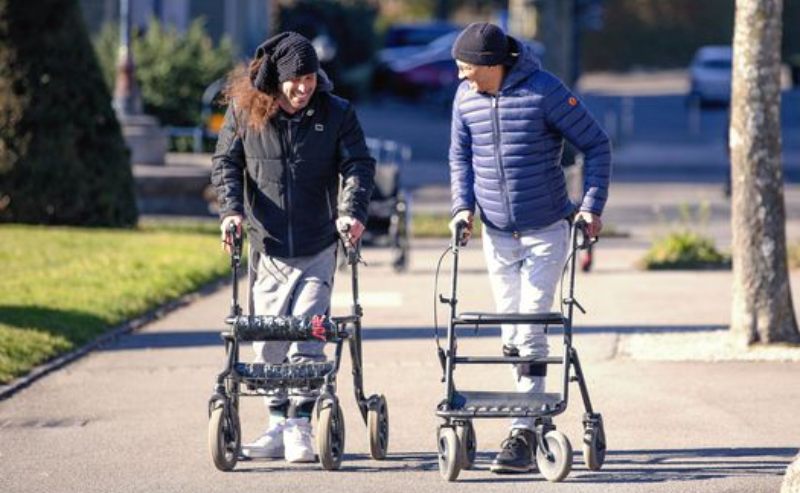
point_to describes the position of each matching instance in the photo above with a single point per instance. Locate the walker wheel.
(330, 434)
(449, 463)
(378, 425)
(224, 436)
(468, 445)
(594, 446)
(556, 468)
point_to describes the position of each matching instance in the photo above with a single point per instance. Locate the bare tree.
(762, 309)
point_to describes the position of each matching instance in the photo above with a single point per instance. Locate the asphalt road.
(131, 417)
(656, 137)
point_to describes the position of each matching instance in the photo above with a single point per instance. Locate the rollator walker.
(257, 379)
(457, 445)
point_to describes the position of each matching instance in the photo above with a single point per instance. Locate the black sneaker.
(516, 455)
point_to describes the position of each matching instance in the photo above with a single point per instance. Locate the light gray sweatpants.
(299, 286)
(524, 273)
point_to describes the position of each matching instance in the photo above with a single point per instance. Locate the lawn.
(61, 287)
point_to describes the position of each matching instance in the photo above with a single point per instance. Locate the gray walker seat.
(457, 445)
(256, 379)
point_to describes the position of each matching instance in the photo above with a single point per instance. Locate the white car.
(710, 75)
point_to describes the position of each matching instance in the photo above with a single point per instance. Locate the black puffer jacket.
(285, 178)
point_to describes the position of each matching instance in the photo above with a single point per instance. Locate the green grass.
(432, 225)
(61, 287)
(794, 256)
(684, 250)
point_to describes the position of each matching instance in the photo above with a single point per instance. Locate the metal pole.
(575, 69)
(126, 92)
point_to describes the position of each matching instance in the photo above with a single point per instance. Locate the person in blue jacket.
(510, 120)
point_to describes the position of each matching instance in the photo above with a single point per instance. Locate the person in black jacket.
(285, 144)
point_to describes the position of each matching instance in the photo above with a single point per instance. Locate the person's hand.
(227, 241)
(350, 229)
(593, 223)
(462, 216)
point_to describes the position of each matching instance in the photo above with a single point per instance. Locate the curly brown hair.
(257, 106)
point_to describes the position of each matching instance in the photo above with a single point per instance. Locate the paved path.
(132, 417)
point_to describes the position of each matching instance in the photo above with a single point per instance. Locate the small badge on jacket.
(572, 101)
(319, 127)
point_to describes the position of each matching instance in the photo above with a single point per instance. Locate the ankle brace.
(303, 410)
(278, 412)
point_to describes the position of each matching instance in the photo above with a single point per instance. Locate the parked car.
(429, 71)
(710, 75)
(429, 68)
(403, 42)
(418, 34)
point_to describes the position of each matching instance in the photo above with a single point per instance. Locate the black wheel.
(330, 435)
(224, 439)
(449, 457)
(594, 446)
(378, 425)
(557, 467)
(468, 445)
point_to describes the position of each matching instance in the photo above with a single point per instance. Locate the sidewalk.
(132, 417)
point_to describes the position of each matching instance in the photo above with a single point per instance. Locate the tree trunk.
(762, 309)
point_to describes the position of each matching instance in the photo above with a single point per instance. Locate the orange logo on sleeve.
(572, 101)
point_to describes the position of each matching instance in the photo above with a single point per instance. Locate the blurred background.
(652, 71)
(655, 73)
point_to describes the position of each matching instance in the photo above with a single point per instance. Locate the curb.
(108, 337)
(791, 482)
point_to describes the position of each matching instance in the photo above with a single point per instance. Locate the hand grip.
(585, 241)
(459, 233)
(233, 234)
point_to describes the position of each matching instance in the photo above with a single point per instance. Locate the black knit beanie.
(481, 43)
(286, 56)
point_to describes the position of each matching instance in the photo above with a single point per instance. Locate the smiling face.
(296, 93)
(481, 78)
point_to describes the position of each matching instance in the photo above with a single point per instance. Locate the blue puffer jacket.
(505, 150)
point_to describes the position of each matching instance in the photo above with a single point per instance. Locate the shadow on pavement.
(201, 338)
(656, 466)
(621, 466)
(350, 463)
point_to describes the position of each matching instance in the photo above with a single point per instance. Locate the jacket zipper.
(329, 201)
(498, 159)
(289, 177)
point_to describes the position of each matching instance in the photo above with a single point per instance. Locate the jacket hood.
(525, 64)
(324, 83)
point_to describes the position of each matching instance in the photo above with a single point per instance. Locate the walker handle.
(235, 237)
(459, 233)
(351, 250)
(585, 240)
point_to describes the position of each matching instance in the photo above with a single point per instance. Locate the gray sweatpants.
(524, 273)
(299, 286)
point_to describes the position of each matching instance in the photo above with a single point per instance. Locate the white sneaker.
(298, 440)
(267, 446)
